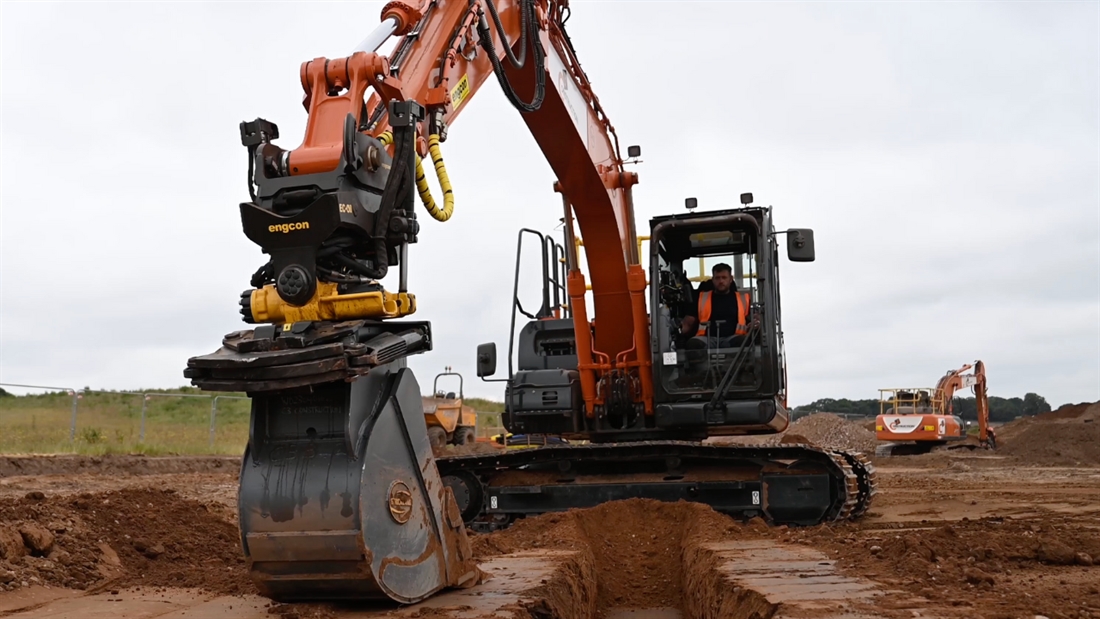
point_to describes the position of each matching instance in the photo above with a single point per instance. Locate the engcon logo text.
(285, 228)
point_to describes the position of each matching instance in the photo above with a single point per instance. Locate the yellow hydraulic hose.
(422, 182)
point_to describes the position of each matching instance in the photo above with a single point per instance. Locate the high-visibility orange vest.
(742, 312)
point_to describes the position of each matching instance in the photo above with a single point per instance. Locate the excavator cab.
(727, 376)
(705, 383)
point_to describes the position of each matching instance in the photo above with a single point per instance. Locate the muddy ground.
(1009, 534)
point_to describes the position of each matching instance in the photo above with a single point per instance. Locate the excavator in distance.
(340, 496)
(917, 421)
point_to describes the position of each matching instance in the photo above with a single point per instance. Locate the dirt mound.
(1071, 411)
(636, 546)
(468, 449)
(820, 429)
(1069, 436)
(133, 464)
(974, 563)
(137, 536)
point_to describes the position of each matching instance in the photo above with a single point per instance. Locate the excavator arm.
(446, 52)
(954, 380)
(338, 494)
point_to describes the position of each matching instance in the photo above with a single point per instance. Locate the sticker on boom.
(287, 228)
(460, 91)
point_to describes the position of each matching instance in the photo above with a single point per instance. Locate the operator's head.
(722, 277)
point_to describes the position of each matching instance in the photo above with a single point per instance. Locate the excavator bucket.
(340, 497)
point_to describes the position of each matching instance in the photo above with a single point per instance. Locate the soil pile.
(475, 448)
(636, 547)
(115, 464)
(1070, 411)
(820, 429)
(975, 563)
(122, 538)
(1069, 436)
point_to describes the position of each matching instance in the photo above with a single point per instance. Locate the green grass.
(110, 423)
(488, 415)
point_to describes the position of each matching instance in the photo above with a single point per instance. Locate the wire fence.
(59, 419)
(55, 419)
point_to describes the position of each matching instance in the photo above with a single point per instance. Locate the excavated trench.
(635, 559)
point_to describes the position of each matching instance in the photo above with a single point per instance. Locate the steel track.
(853, 479)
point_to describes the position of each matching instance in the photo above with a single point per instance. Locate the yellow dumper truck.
(448, 420)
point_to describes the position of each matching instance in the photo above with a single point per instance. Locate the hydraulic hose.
(422, 182)
(486, 38)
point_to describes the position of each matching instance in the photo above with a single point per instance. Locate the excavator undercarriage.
(789, 484)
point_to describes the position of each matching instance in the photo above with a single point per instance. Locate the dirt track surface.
(1000, 535)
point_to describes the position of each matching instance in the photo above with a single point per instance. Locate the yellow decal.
(347, 208)
(285, 228)
(286, 327)
(460, 91)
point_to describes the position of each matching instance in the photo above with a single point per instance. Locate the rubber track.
(859, 479)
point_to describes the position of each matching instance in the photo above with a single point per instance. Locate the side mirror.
(486, 359)
(800, 245)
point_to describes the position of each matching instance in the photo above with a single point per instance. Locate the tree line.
(1000, 409)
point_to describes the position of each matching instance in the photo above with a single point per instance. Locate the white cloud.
(946, 155)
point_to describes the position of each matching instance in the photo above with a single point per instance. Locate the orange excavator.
(916, 421)
(340, 495)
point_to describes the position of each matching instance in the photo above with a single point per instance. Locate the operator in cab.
(721, 312)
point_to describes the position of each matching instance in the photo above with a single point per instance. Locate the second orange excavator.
(916, 421)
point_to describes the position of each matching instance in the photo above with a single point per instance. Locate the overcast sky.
(947, 156)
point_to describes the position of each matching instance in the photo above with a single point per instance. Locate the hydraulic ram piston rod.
(380, 35)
